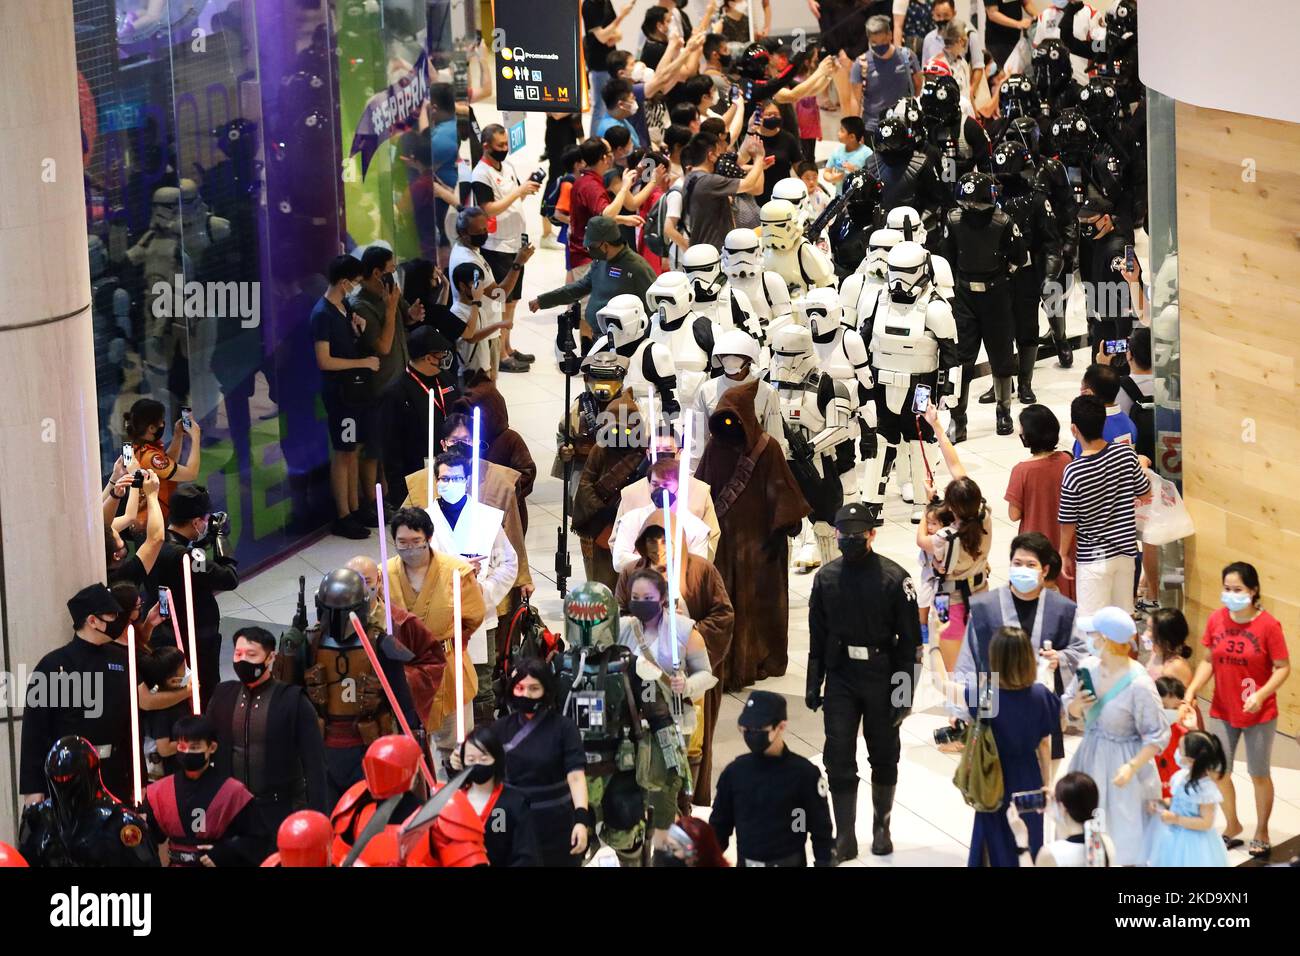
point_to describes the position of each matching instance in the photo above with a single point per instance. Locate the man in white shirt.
(498, 190)
(479, 345)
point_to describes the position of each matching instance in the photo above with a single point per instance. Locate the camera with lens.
(539, 177)
(137, 480)
(950, 735)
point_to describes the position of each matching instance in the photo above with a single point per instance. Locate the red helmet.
(389, 764)
(937, 66)
(10, 857)
(304, 839)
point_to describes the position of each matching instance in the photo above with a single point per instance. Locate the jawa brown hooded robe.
(612, 465)
(759, 507)
(502, 444)
(708, 605)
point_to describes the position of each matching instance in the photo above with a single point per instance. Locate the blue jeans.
(596, 84)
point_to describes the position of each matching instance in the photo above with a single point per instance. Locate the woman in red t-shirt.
(144, 425)
(1034, 491)
(1249, 661)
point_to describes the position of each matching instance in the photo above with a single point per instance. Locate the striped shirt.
(1097, 497)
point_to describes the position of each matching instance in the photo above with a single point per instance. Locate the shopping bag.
(1166, 518)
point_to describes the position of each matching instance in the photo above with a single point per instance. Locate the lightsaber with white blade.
(650, 406)
(135, 714)
(383, 560)
(187, 573)
(459, 658)
(474, 472)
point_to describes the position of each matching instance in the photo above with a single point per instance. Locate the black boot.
(957, 429)
(1003, 388)
(988, 398)
(1060, 341)
(882, 803)
(845, 805)
(1025, 382)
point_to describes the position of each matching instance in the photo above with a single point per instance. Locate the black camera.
(538, 176)
(950, 735)
(137, 480)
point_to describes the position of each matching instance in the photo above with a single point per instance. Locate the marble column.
(51, 535)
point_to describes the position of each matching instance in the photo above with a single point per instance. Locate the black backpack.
(1143, 415)
(656, 221)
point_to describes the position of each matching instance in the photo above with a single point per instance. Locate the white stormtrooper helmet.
(822, 311)
(909, 271)
(670, 298)
(878, 245)
(703, 266)
(793, 191)
(792, 355)
(624, 320)
(741, 256)
(733, 348)
(901, 217)
(166, 216)
(781, 229)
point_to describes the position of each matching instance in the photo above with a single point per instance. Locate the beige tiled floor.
(931, 824)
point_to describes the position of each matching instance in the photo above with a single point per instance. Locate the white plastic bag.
(1166, 518)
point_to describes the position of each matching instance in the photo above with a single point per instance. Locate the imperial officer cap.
(95, 599)
(762, 709)
(857, 517)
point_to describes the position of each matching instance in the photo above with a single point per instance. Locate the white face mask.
(451, 491)
(733, 364)
(634, 108)
(1171, 714)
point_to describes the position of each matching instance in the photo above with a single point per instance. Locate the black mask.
(853, 549)
(644, 610)
(771, 122)
(248, 672)
(193, 760)
(1087, 230)
(756, 740)
(498, 155)
(663, 498)
(525, 705)
(481, 772)
(476, 239)
(666, 858)
(117, 627)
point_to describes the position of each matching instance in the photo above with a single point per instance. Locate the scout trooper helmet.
(670, 298)
(624, 320)
(822, 312)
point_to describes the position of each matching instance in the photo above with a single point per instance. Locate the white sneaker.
(917, 515)
(549, 243)
(905, 489)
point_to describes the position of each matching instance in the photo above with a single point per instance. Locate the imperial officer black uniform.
(863, 639)
(774, 803)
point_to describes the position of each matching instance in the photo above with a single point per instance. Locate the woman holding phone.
(143, 426)
(1125, 727)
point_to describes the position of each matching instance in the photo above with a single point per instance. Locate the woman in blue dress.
(1187, 835)
(1025, 715)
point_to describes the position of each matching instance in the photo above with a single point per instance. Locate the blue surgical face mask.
(1181, 758)
(1024, 580)
(1235, 600)
(1094, 646)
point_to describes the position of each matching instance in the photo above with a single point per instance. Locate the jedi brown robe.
(608, 471)
(429, 658)
(759, 508)
(502, 444)
(432, 604)
(496, 487)
(708, 606)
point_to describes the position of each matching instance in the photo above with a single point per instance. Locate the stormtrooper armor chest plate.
(799, 408)
(900, 344)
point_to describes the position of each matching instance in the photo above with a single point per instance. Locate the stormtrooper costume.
(842, 355)
(736, 353)
(742, 261)
(624, 330)
(907, 222)
(819, 425)
(913, 342)
(860, 290)
(686, 335)
(789, 254)
(715, 299)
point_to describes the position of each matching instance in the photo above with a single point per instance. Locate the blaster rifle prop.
(377, 665)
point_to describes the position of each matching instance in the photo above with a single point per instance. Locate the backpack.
(553, 197)
(1143, 415)
(654, 232)
(527, 636)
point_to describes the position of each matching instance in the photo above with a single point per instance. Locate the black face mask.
(525, 705)
(644, 610)
(498, 155)
(117, 627)
(1088, 230)
(193, 761)
(248, 672)
(756, 740)
(771, 122)
(663, 498)
(853, 549)
(481, 773)
(666, 858)
(476, 239)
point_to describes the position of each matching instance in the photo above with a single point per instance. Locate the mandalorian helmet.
(940, 101)
(741, 256)
(72, 774)
(670, 297)
(704, 267)
(792, 355)
(780, 223)
(390, 763)
(878, 245)
(624, 320)
(341, 592)
(909, 271)
(590, 617)
(908, 223)
(603, 374)
(1052, 69)
(1016, 97)
(821, 311)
